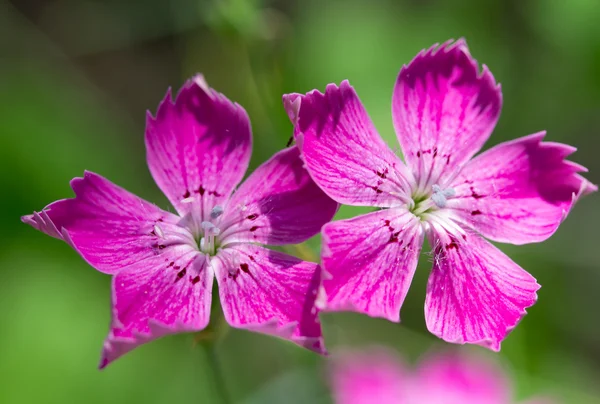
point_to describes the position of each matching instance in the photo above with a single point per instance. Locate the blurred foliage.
(76, 79)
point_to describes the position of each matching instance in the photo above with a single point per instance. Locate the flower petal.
(371, 260)
(444, 110)
(520, 191)
(110, 227)
(373, 376)
(198, 147)
(475, 293)
(455, 379)
(165, 294)
(342, 149)
(270, 292)
(278, 204)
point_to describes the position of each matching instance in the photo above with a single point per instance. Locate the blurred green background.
(76, 77)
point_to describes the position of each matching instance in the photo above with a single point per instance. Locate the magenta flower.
(517, 192)
(378, 377)
(198, 149)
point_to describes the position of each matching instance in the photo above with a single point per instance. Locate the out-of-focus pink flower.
(444, 109)
(163, 264)
(377, 376)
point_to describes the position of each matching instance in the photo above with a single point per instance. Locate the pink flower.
(378, 377)
(198, 149)
(517, 192)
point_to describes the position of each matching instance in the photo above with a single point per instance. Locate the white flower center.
(437, 198)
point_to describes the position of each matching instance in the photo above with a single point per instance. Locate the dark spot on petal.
(171, 263)
(180, 274)
(476, 212)
(153, 233)
(435, 151)
(394, 237)
(215, 193)
(387, 222)
(162, 246)
(464, 236)
(382, 174)
(253, 228)
(475, 194)
(160, 219)
(419, 153)
(448, 159)
(176, 267)
(252, 216)
(201, 190)
(251, 258)
(377, 190)
(187, 194)
(451, 245)
(245, 269)
(195, 280)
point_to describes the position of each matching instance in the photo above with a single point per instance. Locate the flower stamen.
(207, 243)
(216, 212)
(440, 195)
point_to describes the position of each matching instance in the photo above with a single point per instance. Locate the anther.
(158, 231)
(210, 229)
(440, 195)
(216, 212)
(449, 193)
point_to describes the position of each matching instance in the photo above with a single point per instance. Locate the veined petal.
(342, 149)
(198, 147)
(165, 294)
(475, 293)
(110, 227)
(270, 292)
(520, 191)
(444, 110)
(455, 379)
(278, 204)
(370, 261)
(373, 376)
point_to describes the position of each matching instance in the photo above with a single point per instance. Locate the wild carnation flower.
(517, 192)
(163, 264)
(376, 376)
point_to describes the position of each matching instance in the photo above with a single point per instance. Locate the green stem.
(210, 348)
